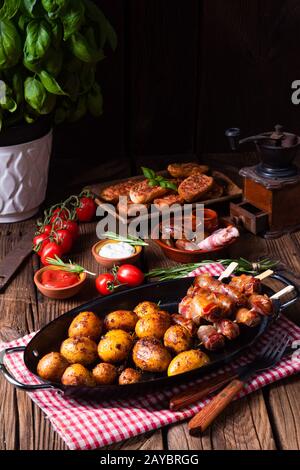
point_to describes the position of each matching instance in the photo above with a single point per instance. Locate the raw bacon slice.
(219, 238)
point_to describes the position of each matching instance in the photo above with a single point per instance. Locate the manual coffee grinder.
(271, 204)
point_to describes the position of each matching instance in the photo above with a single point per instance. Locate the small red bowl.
(58, 293)
(184, 256)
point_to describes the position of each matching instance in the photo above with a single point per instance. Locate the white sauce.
(118, 250)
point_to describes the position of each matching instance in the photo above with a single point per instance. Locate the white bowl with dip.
(113, 252)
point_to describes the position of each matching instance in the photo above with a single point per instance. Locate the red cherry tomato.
(39, 242)
(86, 210)
(59, 213)
(130, 275)
(49, 251)
(65, 240)
(47, 229)
(71, 226)
(105, 283)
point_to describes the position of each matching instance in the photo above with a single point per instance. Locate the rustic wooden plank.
(285, 413)
(149, 441)
(243, 426)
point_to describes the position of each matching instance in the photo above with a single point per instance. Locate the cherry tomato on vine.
(65, 240)
(130, 275)
(86, 210)
(71, 226)
(49, 251)
(105, 283)
(47, 229)
(59, 213)
(40, 241)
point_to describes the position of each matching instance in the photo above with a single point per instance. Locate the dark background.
(183, 72)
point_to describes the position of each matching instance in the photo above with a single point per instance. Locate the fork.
(270, 355)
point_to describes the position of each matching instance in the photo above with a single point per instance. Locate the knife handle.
(200, 422)
(201, 390)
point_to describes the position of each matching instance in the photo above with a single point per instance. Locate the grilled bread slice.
(194, 187)
(168, 200)
(142, 193)
(184, 170)
(113, 192)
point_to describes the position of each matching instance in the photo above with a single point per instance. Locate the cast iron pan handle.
(287, 282)
(12, 379)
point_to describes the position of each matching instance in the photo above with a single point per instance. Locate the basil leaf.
(53, 61)
(49, 104)
(170, 185)
(152, 183)
(95, 101)
(23, 21)
(71, 84)
(18, 88)
(6, 100)
(163, 184)
(87, 77)
(54, 7)
(159, 178)
(83, 51)
(57, 33)
(38, 40)
(50, 83)
(34, 93)
(72, 18)
(79, 111)
(105, 30)
(32, 7)
(9, 9)
(10, 45)
(32, 66)
(148, 173)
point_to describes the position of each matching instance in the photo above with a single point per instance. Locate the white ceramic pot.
(23, 178)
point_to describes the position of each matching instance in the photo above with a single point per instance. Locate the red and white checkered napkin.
(87, 425)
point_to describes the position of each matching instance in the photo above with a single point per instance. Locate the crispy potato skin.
(120, 320)
(129, 376)
(150, 355)
(115, 346)
(105, 374)
(177, 339)
(145, 308)
(86, 324)
(154, 325)
(77, 375)
(52, 366)
(79, 350)
(186, 361)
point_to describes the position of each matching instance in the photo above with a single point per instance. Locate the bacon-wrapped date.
(210, 338)
(227, 328)
(210, 306)
(246, 284)
(186, 323)
(247, 317)
(208, 282)
(261, 304)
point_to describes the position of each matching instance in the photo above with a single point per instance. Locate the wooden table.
(267, 419)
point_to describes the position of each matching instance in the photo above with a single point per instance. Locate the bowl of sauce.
(113, 252)
(56, 283)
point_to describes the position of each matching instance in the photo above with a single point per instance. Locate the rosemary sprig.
(70, 267)
(157, 180)
(129, 239)
(244, 266)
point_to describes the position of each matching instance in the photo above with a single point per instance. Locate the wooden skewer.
(264, 275)
(229, 270)
(282, 292)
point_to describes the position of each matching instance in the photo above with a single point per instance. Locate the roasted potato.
(86, 324)
(115, 346)
(177, 339)
(121, 320)
(146, 308)
(76, 375)
(52, 366)
(154, 325)
(79, 350)
(187, 360)
(105, 374)
(129, 376)
(150, 355)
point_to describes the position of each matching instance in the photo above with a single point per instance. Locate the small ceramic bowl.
(211, 222)
(58, 293)
(110, 263)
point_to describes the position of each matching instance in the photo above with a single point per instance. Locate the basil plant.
(49, 50)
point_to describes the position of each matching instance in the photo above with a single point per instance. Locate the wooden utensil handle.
(200, 422)
(203, 389)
